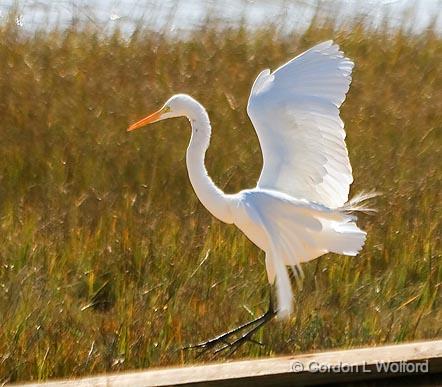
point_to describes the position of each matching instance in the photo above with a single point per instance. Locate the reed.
(108, 260)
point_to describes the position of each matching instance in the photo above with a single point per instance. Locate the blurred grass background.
(108, 260)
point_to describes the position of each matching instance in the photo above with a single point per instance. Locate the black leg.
(231, 340)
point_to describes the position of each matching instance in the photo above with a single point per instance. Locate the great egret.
(299, 209)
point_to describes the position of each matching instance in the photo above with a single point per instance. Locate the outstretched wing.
(295, 112)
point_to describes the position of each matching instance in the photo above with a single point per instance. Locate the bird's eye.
(166, 109)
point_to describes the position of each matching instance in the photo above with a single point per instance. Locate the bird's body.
(299, 209)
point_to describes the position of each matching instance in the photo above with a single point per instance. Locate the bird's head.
(178, 105)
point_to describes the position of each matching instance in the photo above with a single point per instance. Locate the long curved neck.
(212, 197)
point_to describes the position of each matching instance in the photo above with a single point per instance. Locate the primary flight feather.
(299, 209)
(295, 111)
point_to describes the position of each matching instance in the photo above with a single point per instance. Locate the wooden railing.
(421, 360)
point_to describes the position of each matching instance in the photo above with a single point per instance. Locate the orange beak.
(146, 120)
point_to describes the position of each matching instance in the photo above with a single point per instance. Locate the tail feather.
(298, 233)
(357, 203)
(342, 237)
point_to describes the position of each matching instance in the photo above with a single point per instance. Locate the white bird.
(299, 209)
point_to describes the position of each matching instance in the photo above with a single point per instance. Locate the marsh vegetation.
(109, 261)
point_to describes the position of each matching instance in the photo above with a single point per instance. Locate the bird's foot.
(231, 340)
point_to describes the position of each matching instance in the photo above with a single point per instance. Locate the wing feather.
(295, 112)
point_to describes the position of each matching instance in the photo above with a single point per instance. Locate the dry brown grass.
(109, 262)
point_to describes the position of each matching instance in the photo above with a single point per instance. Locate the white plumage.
(299, 209)
(295, 111)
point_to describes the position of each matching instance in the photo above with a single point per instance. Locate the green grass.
(108, 260)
